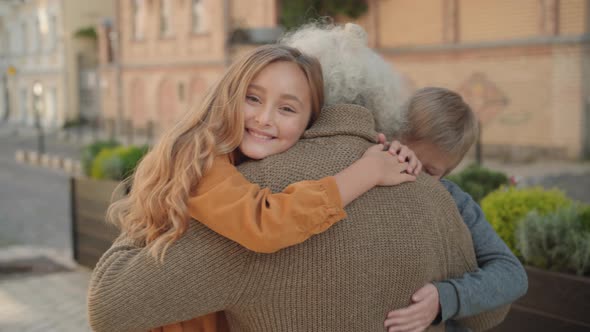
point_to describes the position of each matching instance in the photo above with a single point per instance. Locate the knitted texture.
(395, 240)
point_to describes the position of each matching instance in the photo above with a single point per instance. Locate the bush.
(117, 163)
(90, 151)
(559, 241)
(479, 181)
(505, 208)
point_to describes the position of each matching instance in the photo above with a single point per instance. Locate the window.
(25, 36)
(165, 15)
(138, 19)
(52, 32)
(197, 16)
(36, 37)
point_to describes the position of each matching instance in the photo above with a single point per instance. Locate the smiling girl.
(260, 107)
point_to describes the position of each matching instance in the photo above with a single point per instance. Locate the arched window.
(138, 111)
(167, 104)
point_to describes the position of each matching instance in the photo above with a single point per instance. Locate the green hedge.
(117, 163)
(479, 181)
(559, 241)
(506, 207)
(89, 153)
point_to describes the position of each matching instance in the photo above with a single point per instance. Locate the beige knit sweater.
(394, 240)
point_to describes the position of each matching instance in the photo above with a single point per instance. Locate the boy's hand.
(389, 171)
(403, 153)
(419, 315)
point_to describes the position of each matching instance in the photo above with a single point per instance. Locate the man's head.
(353, 72)
(440, 127)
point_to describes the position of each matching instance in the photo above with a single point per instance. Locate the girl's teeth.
(260, 136)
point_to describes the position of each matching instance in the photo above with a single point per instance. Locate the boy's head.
(440, 128)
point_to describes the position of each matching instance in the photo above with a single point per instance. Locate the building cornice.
(525, 42)
(175, 65)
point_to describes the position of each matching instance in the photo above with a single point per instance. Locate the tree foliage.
(298, 12)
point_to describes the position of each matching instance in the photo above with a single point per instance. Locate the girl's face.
(277, 109)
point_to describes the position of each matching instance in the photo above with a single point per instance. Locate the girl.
(260, 107)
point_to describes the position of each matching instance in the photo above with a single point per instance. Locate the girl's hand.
(388, 169)
(403, 153)
(419, 315)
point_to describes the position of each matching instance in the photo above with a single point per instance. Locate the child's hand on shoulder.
(387, 168)
(404, 154)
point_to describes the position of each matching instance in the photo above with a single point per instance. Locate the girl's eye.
(252, 99)
(288, 109)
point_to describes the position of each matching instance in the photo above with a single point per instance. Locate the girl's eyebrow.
(284, 95)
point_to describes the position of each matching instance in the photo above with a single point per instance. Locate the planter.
(91, 235)
(554, 302)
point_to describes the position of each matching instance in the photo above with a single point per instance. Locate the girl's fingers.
(395, 147)
(403, 153)
(381, 139)
(413, 161)
(418, 168)
(407, 178)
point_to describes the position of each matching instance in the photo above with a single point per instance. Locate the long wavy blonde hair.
(155, 212)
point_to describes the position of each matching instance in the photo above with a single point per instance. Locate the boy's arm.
(227, 203)
(500, 278)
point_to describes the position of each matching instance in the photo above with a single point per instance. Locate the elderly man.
(395, 240)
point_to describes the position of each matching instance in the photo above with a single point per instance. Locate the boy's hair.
(440, 117)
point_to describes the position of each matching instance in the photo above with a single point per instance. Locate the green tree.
(297, 12)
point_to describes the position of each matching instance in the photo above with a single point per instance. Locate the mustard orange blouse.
(230, 205)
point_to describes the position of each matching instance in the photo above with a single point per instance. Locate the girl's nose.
(264, 116)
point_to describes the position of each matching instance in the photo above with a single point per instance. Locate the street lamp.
(39, 108)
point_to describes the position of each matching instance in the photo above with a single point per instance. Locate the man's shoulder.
(309, 159)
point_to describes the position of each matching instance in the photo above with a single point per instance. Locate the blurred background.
(87, 86)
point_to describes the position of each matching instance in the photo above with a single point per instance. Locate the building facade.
(522, 65)
(48, 72)
(158, 57)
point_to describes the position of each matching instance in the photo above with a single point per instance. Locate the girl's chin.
(255, 154)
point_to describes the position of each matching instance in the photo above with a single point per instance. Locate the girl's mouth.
(259, 135)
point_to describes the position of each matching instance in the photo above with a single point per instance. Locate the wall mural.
(484, 97)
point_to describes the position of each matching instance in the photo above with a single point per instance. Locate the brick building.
(159, 56)
(523, 65)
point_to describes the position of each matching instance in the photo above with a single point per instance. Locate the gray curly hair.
(353, 72)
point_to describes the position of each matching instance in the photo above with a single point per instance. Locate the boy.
(440, 128)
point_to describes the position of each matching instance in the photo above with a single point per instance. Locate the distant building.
(522, 65)
(157, 57)
(48, 71)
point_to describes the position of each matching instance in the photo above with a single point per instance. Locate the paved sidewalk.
(54, 302)
(37, 302)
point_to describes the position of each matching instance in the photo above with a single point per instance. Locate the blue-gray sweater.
(500, 278)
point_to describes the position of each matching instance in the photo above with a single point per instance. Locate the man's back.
(395, 240)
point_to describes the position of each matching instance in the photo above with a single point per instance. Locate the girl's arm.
(264, 222)
(499, 280)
